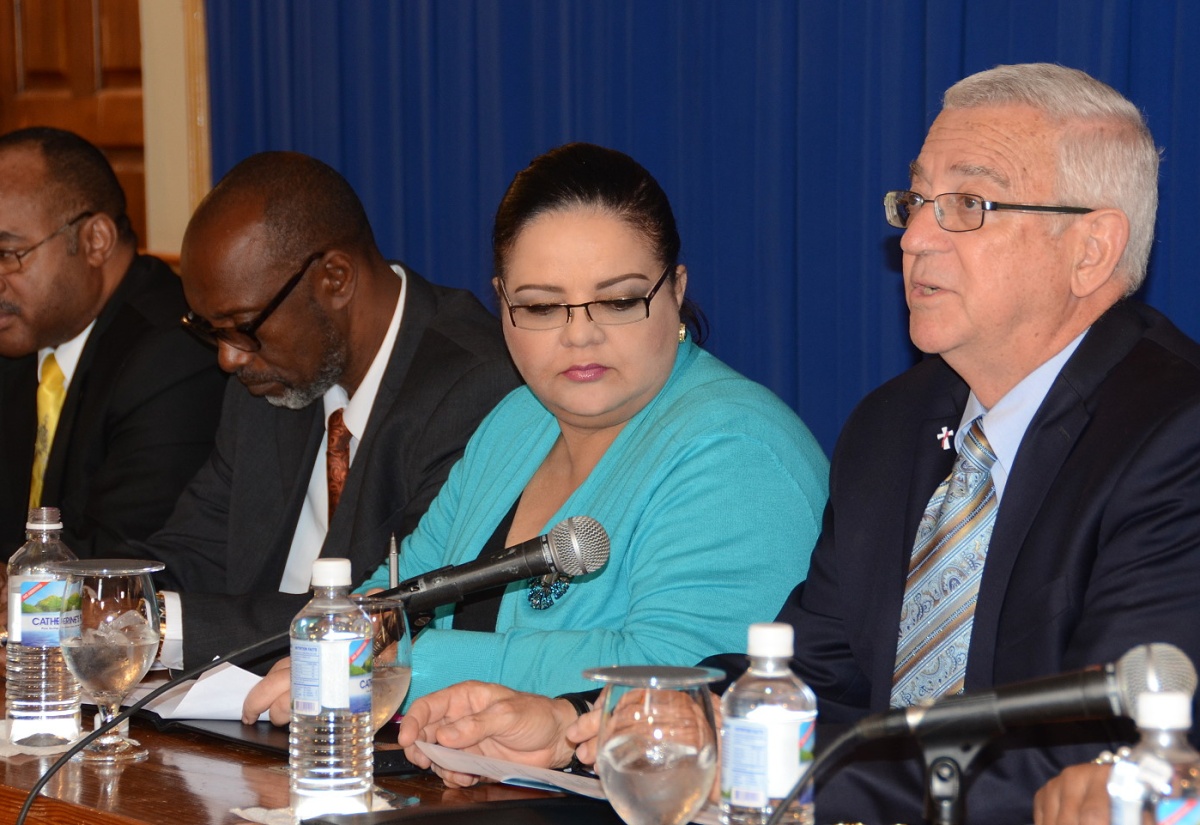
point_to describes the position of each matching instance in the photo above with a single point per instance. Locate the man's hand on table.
(273, 693)
(1077, 796)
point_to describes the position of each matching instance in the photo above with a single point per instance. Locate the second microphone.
(575, 546)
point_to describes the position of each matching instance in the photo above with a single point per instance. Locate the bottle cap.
(773, 639)
(44, 518)
(1166, 710)
(331, 573)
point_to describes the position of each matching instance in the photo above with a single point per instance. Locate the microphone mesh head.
(579, 545)
(1153, 668)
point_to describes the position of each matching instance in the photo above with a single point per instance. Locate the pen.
(393, 563)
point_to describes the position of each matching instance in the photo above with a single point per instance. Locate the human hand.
(273, 693)
(582, 734)
(490, 720)
(1077, 796)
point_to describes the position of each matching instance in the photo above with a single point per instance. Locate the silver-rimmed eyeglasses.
(11, 260)
(958, 211)
(609, 311)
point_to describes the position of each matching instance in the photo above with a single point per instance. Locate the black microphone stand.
(947, 761)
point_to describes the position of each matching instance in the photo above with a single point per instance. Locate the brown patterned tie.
(337, 459)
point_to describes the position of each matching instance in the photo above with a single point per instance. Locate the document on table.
(217, 694)
(512, 773)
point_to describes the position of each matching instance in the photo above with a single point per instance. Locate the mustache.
(10, 308)
(247, 376)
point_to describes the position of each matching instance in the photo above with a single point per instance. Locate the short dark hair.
(587, 175)
(81, 177)
(307, 205)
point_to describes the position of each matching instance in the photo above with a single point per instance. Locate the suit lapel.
(299, 437)
(271, 508)
(360, 516)
(1052, 434)
(107, 346)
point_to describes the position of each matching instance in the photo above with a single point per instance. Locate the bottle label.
(1126, 793)
(1177, 812)
(764, 755)
(331, 674)
(34, 606)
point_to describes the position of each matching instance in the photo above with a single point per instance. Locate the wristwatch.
(162, 623)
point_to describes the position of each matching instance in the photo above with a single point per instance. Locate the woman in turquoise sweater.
(710, 488)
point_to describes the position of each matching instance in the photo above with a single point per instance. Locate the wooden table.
(189, 778)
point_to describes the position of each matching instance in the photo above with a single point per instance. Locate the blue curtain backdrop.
(775, 126)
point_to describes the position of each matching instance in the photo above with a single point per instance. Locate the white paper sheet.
(530, 777)
(217, 694)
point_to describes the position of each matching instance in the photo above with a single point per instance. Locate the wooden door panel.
(77, 65)
(120, 53)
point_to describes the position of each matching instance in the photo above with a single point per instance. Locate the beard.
(297, 396)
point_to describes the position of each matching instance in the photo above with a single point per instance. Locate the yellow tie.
(50, 396)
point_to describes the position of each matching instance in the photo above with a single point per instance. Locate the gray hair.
(1106, 155)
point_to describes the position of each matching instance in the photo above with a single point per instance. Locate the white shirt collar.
(1006, 422)
(358, 408)
(66, 354)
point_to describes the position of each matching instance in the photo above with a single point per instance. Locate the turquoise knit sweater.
(711, 496)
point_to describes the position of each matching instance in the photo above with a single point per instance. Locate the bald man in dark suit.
(282, 274)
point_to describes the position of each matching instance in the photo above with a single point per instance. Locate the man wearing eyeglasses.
(107, 408)
(1034, 486)
(1024, 502)
(358, 385)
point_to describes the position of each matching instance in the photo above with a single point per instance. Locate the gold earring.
(682, 333)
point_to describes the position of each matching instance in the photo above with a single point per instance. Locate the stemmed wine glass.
(109, 627)
(657, 748)
(392, 669)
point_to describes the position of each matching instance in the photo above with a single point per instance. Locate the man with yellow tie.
(107, 407)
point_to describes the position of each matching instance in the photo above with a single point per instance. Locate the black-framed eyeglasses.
(609, 311)
(12, 260)
(958, 211)
(243, 336)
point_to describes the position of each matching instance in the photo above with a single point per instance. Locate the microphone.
(1096, 692)
(1091, 693)
(574, 546)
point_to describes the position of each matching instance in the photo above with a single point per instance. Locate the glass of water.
(392, 668)
(657, 748)
(109, 627)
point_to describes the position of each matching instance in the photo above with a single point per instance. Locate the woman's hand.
(490, 720)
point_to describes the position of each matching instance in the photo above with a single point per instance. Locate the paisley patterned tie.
(50, 394)
(943, 577)
(337, 459)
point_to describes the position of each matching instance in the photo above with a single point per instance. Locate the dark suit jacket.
(228, 541)
(137, 422)
(1096, 548)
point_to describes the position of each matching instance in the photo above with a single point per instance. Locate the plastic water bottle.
(1161, 775)
(330, 749)
(767, 734)
(42, 698)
